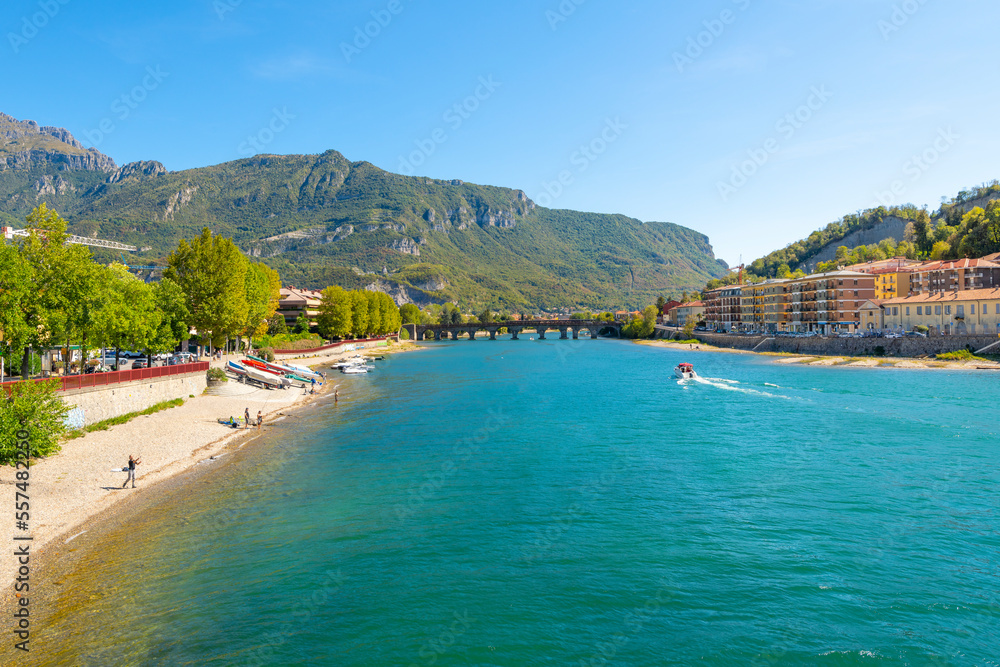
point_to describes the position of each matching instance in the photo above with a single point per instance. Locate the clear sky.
(754, 122)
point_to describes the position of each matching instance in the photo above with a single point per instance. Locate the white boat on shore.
(685, 371)
(353, 370)
(266, 379)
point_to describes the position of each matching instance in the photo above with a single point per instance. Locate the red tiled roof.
(949, 296)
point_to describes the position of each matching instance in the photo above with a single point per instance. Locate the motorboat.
(685, 371)
(353, 370)
(267, 379)
(236, 368)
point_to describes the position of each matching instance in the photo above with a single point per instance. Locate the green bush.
(921, 328)
(266, 353)
(36, 408)
(217, 375)
(959, 355)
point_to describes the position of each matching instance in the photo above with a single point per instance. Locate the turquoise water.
(572, 503)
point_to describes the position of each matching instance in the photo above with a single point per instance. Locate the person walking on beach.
(313, 386)
(132, 463)
(246, 417)
(260, 419)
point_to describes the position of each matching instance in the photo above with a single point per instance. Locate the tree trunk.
(26, 363)
(118, 355)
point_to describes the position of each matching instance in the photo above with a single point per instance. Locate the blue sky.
(754, 122)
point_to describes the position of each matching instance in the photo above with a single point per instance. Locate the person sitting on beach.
(132, 463)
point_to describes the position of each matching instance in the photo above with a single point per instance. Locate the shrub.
(921, 328)
(879, 351)
(34, 407)
(217, 375)
(959, 355)
(266, 353)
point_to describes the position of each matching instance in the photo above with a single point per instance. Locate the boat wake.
(728, 385)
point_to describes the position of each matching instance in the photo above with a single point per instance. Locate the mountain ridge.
(323, 219)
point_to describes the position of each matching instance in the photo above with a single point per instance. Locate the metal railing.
(70, 382)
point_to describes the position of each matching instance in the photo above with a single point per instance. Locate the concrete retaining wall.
(853, 347)
(89, 406)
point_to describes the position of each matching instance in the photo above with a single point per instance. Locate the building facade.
(949, 312)
(827, 303)
(680, 314)
(954, 275)
(294, 302)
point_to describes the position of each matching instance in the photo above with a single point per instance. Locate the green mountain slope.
(321, 219)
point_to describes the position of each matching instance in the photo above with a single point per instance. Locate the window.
(920, 310)
(895, 310)
(855, 291)
(998, 309)
(961, 311)
(947, 310)
(937, 310)
(907, 310)
(855, 284)
(972, 309)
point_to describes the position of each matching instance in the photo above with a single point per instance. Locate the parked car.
(915, 334)
(139, 363)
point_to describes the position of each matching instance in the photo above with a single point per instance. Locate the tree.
(374, 314)
(409, 314)
(131, 319)
(277, 325)
(36, 408)
(16, 297)
(456, 316)
(301, 324)
(262, 290)
(486, 317)
(393, 318)
(940, 250)
(211, 271)
(334, 319)
(661, 302)
(171, 303)
(359, 313)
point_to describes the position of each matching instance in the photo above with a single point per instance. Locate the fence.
(309, 350)
(69, 382)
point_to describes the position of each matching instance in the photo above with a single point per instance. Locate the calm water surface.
(570, 503)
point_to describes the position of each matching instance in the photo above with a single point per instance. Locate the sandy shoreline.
(832, 360)
(81, 481)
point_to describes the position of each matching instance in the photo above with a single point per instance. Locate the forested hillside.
(322, 219)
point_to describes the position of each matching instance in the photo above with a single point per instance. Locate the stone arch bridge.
(566, 328)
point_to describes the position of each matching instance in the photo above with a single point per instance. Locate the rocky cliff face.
(26, 145)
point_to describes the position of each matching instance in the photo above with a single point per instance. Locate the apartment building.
(681, 313)
(723, 307)
(293, 302)
(954, 275)
(827, 303)
(974, 311)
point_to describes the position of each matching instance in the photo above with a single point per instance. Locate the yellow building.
(892, 283)
(957, 312)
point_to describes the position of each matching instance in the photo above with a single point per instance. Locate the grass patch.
(124, 419)
(959, 355)
(690, 341)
